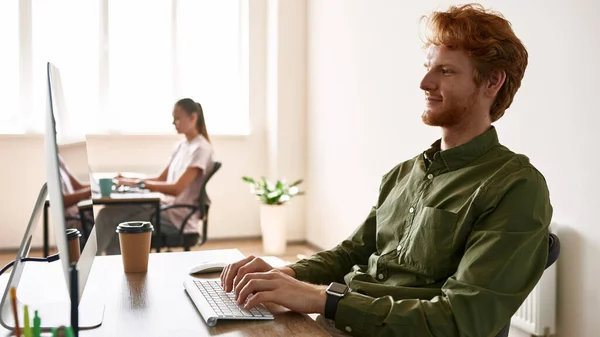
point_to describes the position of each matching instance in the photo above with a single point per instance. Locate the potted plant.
(273, 198)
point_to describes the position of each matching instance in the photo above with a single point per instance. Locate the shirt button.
(399, 247)
(411, 210)
(430, 176)
(380, 276)
(349, 329)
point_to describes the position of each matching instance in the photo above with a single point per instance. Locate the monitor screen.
(69, 188)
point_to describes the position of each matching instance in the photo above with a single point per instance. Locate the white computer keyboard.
(214, 303)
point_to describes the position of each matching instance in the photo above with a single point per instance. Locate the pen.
(26, 325)
(13, 298)
(37, 325)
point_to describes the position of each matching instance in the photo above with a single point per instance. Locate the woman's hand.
(127, 182)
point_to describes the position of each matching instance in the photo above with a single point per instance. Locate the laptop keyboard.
(224, 304)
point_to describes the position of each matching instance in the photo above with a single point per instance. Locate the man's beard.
(454, 113)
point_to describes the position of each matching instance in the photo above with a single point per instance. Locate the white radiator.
(537, 315)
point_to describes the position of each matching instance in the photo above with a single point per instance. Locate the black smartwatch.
(335, 292)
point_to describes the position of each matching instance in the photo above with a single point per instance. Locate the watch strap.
(331, 304)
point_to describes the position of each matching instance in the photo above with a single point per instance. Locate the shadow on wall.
(570, 286)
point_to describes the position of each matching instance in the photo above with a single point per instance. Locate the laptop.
(215, 304)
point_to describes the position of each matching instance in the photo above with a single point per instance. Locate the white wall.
(364, 106)
(235, 211)
(286, 100)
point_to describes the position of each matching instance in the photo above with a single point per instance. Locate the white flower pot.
(273, 228)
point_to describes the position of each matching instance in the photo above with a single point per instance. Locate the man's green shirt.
(456, 242)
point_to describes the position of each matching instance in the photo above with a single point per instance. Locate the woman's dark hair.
(192, 107)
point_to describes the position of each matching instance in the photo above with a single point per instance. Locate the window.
(140, 66)
(63, 39)
(209, 62)
(9, 66)
(124, 64)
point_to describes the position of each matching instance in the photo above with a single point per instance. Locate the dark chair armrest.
(166, 207)
(193, 209)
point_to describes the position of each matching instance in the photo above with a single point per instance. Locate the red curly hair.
(489, 40)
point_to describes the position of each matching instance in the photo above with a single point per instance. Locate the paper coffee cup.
(73, 236)
(135, 238)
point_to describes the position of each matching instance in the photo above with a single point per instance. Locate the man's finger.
(232, 272)
(252, 267)
(255, 287)
(249, 277)
(259, 298)
(222, 276)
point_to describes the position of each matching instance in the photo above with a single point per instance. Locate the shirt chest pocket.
(429, 245)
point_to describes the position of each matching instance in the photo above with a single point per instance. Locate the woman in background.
(73, 192)
(180, 181)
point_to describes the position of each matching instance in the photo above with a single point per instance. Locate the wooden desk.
(151, 198)
(154, 303)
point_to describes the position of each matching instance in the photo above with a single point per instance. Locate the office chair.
(187, 240)
(553, 253)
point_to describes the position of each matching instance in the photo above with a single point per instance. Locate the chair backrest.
(553, 250)
(553, 253)
(203, 199)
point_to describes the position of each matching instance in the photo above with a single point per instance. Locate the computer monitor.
(56, 314)
(59, 184)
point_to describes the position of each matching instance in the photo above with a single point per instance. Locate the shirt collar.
(464, 154)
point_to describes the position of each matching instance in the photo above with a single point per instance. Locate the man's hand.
(277, 287)
(233, 273)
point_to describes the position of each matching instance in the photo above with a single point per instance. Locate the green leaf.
(273, 194)
(248, 180)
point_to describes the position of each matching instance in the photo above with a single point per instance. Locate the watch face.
(337, 288)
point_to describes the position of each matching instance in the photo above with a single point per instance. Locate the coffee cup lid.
(73, 233)
(134, 227)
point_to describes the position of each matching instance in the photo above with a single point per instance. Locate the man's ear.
(495, 81)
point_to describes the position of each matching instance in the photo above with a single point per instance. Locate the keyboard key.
(224, 304)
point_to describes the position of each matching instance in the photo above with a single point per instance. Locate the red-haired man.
(459, 236)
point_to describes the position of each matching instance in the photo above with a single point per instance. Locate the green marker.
(69, 331)
(27, 329)
(37, 325)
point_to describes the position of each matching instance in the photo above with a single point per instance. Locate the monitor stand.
(53, 315)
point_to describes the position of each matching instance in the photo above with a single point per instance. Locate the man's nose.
(428, 83)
